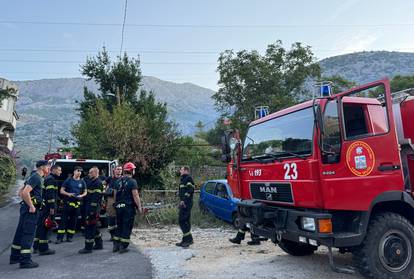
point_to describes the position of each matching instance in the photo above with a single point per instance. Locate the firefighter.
(73, 190)
(185, 191)
(49, 195)
(31, 194)
(112, 186)
(92, 203)
(126, 203)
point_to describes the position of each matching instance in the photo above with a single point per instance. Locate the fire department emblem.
(360, 158)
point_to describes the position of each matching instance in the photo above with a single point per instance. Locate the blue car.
(217, 198)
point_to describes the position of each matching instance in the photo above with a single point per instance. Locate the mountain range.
(47, 106)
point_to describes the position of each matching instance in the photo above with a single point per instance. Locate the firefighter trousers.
(23, 238)
(41, 237)
(125, 216)
(92, 233)
(184, 220)
(67, 224)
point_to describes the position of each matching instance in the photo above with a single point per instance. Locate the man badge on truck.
(360, 158)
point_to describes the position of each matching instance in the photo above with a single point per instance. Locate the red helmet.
(50, 224)
(129, 166)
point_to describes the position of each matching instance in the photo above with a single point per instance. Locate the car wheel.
(236, 220)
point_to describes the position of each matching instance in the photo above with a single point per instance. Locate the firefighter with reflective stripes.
(112, 187)
(49, 195)
(241, 233)
(73, 191)
(186, 192)
(92, 203)
(31, 194)
(126, 203)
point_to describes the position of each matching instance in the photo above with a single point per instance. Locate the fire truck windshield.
(286, 136)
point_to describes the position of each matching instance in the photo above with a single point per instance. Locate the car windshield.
(288, 135)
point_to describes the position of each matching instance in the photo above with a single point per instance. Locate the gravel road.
(213, 256)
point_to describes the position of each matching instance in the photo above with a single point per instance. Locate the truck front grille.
(272, 191)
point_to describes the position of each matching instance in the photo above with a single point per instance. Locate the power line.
(77, 62)
(213, 26)
(123, 27)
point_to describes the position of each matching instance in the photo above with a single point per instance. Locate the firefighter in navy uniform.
(185, 191)
(73, 190)
(49, 194)
(92, 203)
(31, 194)
(112, 187)
(241, 233)
(126, 203)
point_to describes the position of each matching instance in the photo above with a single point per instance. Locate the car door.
(222, 202)
(207, 198)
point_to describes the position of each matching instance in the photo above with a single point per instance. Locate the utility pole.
(50, 137)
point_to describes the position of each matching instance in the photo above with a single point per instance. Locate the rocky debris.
(213, 256)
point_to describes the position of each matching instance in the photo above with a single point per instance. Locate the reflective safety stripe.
(187, 234)
(89, 240)
(16, 247)
(190, 184)
(51, 187)
(98, 235)
(51, 201)
(43, 241)
(71, 231)
(35, 239)
(110, 228)
(76, 205)
(116, 238)
(182, 186)
(94, 204)
(34, 201)
(124, 240)
(241, 231)
(121, 205)
(95, 191)
(26, 251)
(61, 231)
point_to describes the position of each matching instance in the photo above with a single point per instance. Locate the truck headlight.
(308, 224)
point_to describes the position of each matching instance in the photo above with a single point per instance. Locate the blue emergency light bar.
(326, 90)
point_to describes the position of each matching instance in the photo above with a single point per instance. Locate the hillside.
(52, 102)
(48, 102)
(363, 67)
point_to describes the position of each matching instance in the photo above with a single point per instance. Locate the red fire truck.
(334, 171)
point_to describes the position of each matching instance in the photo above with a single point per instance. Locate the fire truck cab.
(335, 171)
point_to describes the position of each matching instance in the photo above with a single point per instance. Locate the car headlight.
(308, 224)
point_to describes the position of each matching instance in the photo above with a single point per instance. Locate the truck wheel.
(296, 249)
(387, 250)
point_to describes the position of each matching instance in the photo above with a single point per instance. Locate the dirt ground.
(213, 256)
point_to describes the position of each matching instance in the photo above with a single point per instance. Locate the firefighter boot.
(239, 237)
(98, 244)
(255, 240)
(47, 252)
(30, 264)
(187, 241)
(116, 246)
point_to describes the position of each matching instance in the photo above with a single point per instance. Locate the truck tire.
(388, 248)
(296, 249)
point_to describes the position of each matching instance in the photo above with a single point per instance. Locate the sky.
(180, 40)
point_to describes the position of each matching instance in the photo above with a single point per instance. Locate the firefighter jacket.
(186, 190)
(50, 191)
(94, 195)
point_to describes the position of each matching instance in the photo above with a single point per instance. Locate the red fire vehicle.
(334, 171)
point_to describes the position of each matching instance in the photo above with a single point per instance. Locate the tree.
(399, 83)
(339, 83)
(133, 126)
(275, 79)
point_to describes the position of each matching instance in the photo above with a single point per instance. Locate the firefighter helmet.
(129, 166)
(50, 224)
